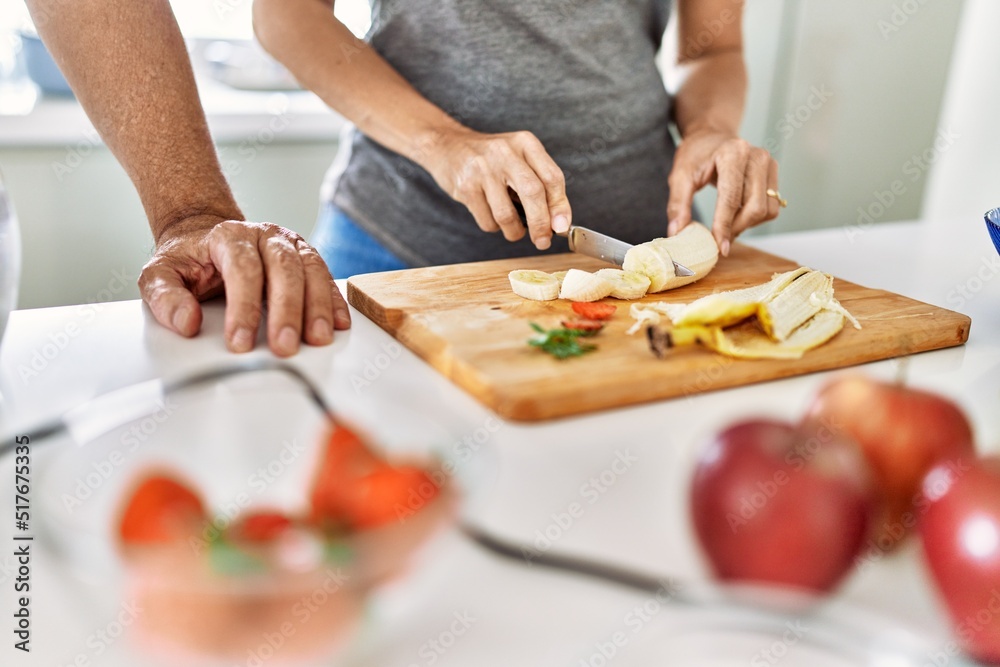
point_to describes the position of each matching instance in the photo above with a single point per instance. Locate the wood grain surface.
(464, 321)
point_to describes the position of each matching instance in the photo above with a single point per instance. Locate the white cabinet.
(85, 235)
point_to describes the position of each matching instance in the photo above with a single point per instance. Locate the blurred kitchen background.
(878, 111)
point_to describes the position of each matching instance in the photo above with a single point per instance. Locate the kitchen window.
(223, 23)
(229, 19)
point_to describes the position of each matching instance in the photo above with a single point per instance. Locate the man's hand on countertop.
(204, 256)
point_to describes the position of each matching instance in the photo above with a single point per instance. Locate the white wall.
(844, 94)
(965, 181)
(863, 81)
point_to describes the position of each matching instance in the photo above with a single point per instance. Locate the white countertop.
(524, 616)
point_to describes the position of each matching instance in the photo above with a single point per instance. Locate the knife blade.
(595, 244)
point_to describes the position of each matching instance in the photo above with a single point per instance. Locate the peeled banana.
(694, 247)
(653, 262)
(626, 285)
(582, 286)
(648, 267)
(534, 285)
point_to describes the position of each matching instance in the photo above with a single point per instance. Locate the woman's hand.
(741, 172)
(482, 170)
(201, 257)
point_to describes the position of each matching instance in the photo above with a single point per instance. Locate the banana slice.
(534, 285)
(652, 261)
(694, 247)
(648, 267)
(627, 284)
(582, 286)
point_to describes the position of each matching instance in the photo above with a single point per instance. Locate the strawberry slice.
(595, 310)
(260, 527)
(387, 495)
(589, 327)
(357, 489)
(161, 510)
(345, 459)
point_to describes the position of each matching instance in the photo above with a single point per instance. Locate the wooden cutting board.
(464, 321)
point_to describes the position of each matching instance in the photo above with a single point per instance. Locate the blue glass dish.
(993, 225)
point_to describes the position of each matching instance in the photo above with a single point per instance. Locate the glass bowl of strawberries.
(245, 523)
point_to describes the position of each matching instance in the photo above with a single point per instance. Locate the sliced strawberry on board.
(594, 310)
(587, 326)
(161, 510)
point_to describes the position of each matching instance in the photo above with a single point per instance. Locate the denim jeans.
(347, 249)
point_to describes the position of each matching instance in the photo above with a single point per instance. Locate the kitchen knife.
(594, 244)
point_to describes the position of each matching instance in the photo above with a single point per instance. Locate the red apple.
(903, 432)
(774, 503)
(960, 528)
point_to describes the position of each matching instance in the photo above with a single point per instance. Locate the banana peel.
(782, 319)
(747, 340)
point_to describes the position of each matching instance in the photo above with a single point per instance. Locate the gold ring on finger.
(782, 202)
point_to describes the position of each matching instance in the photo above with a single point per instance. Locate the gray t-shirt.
(579, 74)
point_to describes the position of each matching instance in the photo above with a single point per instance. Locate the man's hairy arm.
(128, 65)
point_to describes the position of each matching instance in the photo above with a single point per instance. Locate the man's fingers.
(238, 259)
(341, 313)
(325, 309)
(682, 189)
(731, 169)
(172, 303)
(503, 210)
(554, 182)
(285, 292)
(530, 190)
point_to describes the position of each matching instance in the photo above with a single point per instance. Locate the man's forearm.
(127, 63)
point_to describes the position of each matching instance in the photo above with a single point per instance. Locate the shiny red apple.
(775, 503)
(960, 530)
(903, 432)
